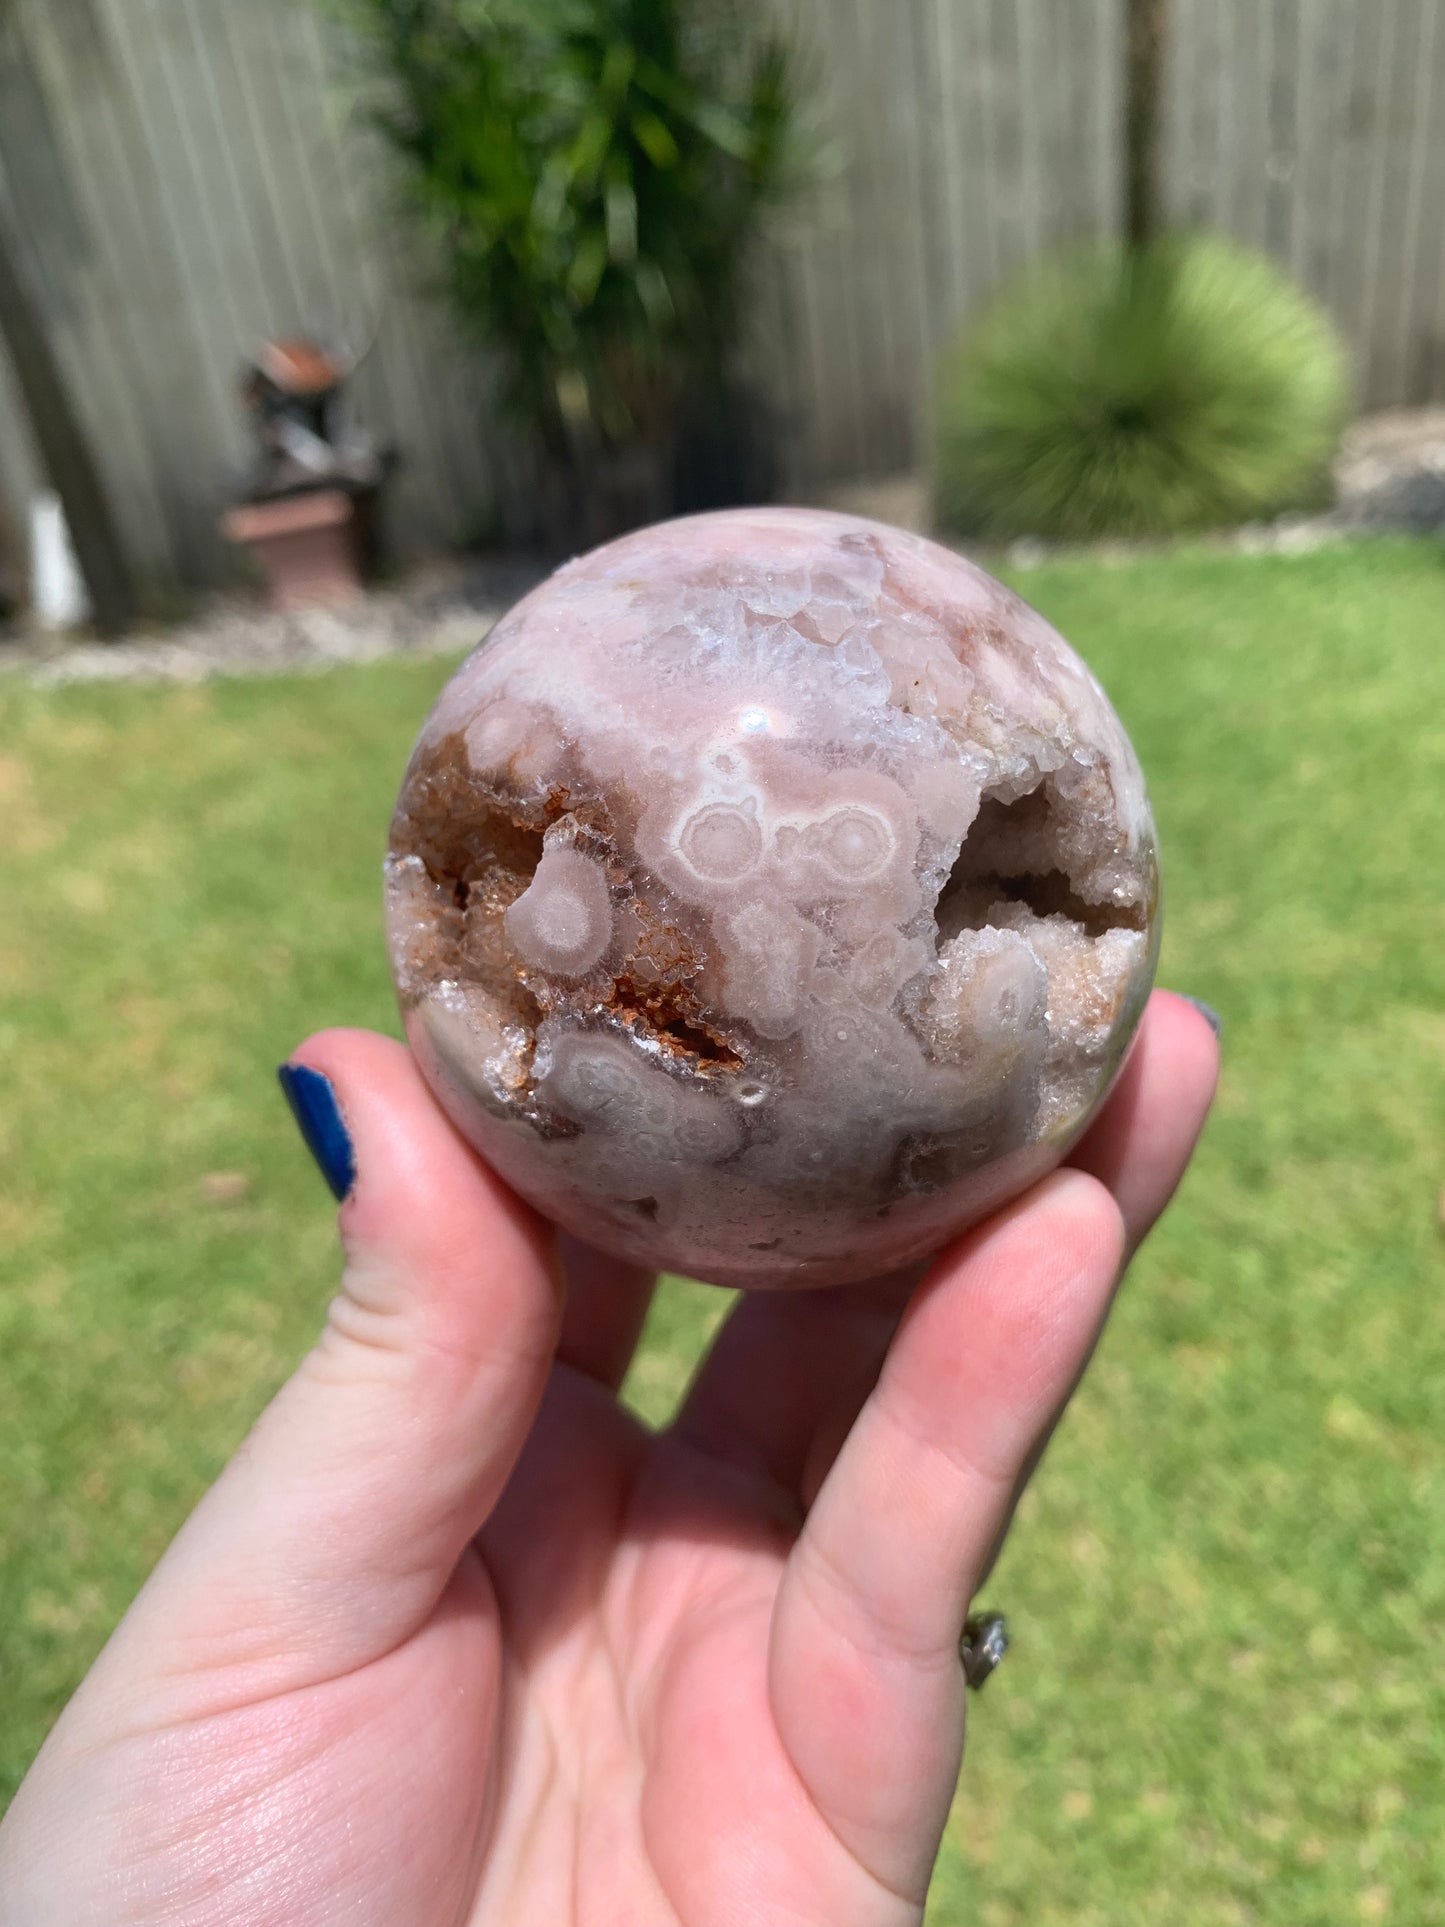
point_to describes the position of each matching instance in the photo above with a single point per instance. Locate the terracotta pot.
(312, 548)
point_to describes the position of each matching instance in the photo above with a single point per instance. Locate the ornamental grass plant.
(1111, 392)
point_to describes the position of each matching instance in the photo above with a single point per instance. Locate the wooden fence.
(188, 179)
(189, 183)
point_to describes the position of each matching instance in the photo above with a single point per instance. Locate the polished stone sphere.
(770, 896)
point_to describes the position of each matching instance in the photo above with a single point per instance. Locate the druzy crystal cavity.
(772, 895)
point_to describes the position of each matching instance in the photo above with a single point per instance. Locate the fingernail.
(312, 1098)
(1210, 1015)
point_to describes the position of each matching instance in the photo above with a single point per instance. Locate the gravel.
(441, 610)
(1390, 474)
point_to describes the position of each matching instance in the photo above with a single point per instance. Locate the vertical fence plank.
(981, 106)
(1247, 160)
(1007, 107)
(1096, 118)
(1372, 141)
(55, 157)
(1198, 73)
(1394, 235)
(405, 387)
(819, 399)
(958, 205)
(1425, 343)
(913, 166)
(1397, 376)
(1281, 197)
(1353, 240)
(20, 480)
(878, 212)
(1318, 56)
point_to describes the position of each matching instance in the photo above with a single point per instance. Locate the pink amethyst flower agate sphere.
(772, 895)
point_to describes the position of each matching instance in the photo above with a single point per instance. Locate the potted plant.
(309, 509)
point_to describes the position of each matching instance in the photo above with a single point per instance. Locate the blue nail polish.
(1206, 1011)
(312, 1098)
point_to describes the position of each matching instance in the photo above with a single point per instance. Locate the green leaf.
(620, 202)
(550, 199)
(589, 264)
(589, 150)
(655, 139)
(655, 295)
(618, 67)
(725, 129)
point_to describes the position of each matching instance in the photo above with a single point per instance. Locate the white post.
(57, 588)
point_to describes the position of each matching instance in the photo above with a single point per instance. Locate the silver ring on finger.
(982, 1647)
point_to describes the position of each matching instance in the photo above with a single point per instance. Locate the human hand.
(454, 1639)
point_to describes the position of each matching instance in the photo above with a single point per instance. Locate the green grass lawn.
(1226, 1702)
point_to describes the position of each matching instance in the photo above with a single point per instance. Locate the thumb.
(335, 1529)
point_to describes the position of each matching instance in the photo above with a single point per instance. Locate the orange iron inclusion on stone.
(772, 895)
